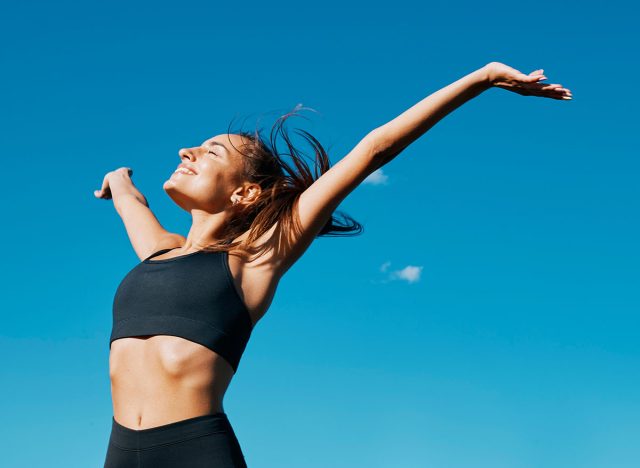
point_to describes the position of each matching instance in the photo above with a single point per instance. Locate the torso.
(156, 380)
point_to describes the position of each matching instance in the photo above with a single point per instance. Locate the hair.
(281, 185)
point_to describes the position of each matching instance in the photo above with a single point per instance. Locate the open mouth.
(184, 170)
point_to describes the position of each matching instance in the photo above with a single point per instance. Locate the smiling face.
(210, 176)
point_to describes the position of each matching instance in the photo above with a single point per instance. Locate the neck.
(206, 228)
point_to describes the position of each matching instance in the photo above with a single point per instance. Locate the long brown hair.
(281, 186)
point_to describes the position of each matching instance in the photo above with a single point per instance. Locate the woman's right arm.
(144, 230)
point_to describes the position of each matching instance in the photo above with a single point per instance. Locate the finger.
(564, 93)
(538, 74)
(539, 88)
(528, 78)
(559, 89)
(556, 93)
(544, 86)
(105, 186)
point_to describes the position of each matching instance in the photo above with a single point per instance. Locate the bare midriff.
(160, 379)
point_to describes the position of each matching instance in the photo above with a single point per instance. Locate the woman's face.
(218, 169)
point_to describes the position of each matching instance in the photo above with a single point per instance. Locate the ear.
(246, 194)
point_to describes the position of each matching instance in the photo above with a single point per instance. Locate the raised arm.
(144, 230)
(392, 137)
(318, 202)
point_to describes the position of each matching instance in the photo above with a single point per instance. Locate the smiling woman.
(181, 322)
(249, 173)
(183, 316)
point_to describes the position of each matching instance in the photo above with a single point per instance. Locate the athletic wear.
(192, 296)
(201, 442)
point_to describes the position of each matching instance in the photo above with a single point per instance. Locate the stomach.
(160, 379)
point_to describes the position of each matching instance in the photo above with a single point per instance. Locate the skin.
(157, 380)
(166, 378)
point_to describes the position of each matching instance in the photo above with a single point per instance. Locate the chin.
(169, 184)
(171, 189)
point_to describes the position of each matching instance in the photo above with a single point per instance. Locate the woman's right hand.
(105, 191)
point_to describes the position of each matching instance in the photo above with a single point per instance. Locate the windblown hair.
(281, 185)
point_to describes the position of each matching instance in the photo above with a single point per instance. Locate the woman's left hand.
(503, 76)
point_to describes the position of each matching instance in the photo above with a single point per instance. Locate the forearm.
(122, 189)
(391, 138)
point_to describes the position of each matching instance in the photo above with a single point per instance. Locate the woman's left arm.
(394, 136)
(316, 204)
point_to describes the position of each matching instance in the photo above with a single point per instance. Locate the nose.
(187, 153)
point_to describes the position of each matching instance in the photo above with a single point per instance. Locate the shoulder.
(170, 241)
(267, 243)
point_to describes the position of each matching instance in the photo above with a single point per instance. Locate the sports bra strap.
(159, 252)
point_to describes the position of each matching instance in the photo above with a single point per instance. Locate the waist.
(159, 379)
(177, 431)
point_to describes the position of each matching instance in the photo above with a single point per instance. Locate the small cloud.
(377, 177)
(409, 273)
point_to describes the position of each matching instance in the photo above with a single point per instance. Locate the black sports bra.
(192, 296)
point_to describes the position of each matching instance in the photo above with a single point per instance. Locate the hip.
(202, 441)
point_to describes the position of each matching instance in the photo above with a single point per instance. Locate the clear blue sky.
(515, 345)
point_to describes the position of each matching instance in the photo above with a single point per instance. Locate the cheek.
(209, 186)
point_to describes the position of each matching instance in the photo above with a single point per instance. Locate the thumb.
(529, 78)
(537, 75)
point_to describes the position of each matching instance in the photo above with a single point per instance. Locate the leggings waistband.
(136, 439)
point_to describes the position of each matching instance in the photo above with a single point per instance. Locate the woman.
(182, 316)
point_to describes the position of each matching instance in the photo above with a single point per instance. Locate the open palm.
(506, 77)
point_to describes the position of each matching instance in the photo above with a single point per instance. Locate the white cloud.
(377, 177)
(409, 273)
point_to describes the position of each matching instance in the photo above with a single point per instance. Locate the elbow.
(382, 147)
(378, 144)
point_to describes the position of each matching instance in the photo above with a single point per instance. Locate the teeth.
(184, 171)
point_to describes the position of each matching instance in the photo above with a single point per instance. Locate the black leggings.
(206, 441)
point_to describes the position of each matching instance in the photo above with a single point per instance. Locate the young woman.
(182, 317)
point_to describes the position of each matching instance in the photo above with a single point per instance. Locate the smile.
(184, 171)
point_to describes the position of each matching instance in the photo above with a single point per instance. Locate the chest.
(200, 281)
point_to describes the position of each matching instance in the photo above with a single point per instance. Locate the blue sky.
(511, 340)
